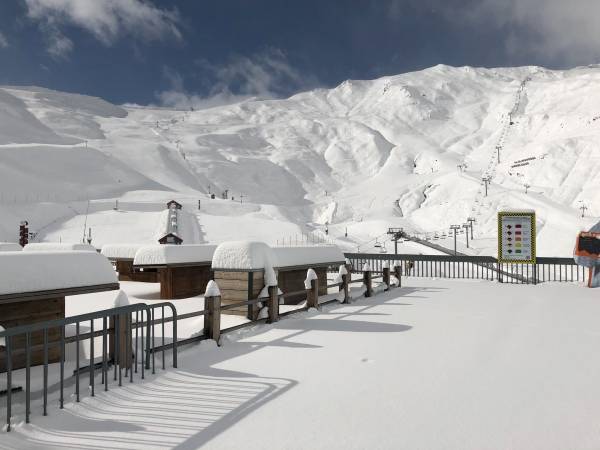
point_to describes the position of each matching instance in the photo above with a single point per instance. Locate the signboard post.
(516, 238)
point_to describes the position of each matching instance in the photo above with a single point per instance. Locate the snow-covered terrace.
(437, 364)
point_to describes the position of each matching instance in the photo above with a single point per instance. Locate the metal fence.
(126, 334)
(473, 267)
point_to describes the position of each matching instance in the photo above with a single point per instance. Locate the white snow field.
(363, 156)
(436, 364)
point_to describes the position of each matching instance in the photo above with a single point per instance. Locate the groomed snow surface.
(437, 364)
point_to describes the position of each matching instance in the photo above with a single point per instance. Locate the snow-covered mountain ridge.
(407, 150)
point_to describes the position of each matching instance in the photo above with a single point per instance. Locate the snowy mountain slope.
(362, 156)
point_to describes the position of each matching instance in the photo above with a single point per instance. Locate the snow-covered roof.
(120, 251)
(58, 247)
(155, 255)
(306, 256)
(10, 247)
(243, 255)
(22, 272)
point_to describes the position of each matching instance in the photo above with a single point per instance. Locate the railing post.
(386, 275)
(212, 315)
(368, 281)
(398, 272)
(121, 341)
(312, 289)
(346, 287)
(273, 304)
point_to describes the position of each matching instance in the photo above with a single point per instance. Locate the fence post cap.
(386, 265)
(366, 268)
(121, 300)
(310, 276)
(212, 289)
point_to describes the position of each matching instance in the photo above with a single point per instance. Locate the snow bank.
(212, 289)
(243, 255)
(10, 247)
(120, 251)
(311, 255)
(38, 271)
(152, 255)
(58, 247)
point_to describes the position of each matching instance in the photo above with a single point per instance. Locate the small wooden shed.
(33, 289)
(170, 238)
(239, 270)
(293, 263)
(174, 204)
(184, 270)
(122, 256)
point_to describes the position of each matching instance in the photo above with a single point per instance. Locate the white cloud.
(561, 31)
(3, 41)
(106, 20)
(264, 75)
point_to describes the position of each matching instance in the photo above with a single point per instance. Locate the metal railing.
(473, 267)
(127, 334)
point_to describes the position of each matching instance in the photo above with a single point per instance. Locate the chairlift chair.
(377, 244)
(383, 249)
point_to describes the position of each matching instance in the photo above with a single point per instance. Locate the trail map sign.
(516, 237)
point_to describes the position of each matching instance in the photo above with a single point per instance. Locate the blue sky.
(196, 52)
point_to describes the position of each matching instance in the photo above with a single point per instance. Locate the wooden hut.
(122, 256)
(183, 270)
(34, 288)
(239, 269)
(174, 204)
(170, 238)
(292, 264)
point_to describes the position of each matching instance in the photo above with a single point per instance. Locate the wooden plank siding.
(27, 312)
(234, 287)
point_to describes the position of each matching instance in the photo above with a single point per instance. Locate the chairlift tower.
(466, 227)
(455, 228)
(396, 233)
(471, 221)
(486, 181)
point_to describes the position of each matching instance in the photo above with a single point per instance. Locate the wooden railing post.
(212, 316)
(398, 273)
(386, 275)
(346, 287)
(312, 289)
(368, 280)
(273, 303)
(120, 326)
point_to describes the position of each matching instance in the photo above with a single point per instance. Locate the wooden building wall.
(184, 282)
(293, 280)
(234, 288)
(23, 313)
(128, 273)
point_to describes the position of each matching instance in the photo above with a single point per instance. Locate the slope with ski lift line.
(364, 156)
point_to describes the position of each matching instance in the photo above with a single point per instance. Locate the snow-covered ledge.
(29, 273)
(58, 247)
(10, 247)
(309, 256)
(244, 256)
(174, 255)
(123, 252)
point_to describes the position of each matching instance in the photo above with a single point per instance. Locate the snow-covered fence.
(471, 267)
